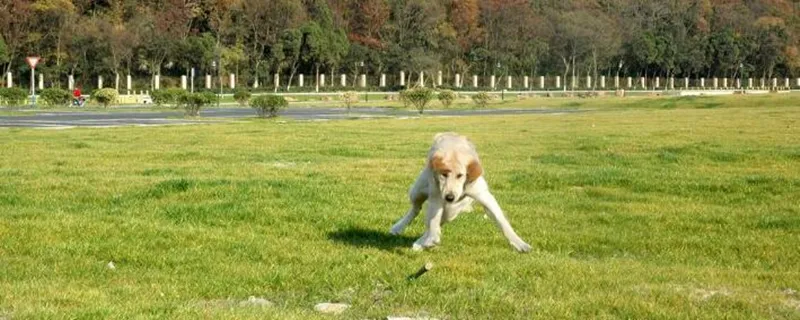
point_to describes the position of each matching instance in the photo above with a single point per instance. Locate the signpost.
(32, 61)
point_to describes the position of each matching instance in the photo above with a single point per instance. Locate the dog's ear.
(436, 163)
(474, 170)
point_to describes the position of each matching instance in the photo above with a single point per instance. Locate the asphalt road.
(60, 120)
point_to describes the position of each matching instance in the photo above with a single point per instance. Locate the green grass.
(664, 212)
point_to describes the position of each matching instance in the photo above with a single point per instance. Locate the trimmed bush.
(13, 96)
(446, 97)
(349, 98)
(194, 102)
(105, 96)
(242, 97)
(481, 99)
(167, 96)
(268, 105)
(55, 97)
(418, 97)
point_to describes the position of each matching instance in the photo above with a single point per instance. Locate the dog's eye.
(459, 176)
(444, 175)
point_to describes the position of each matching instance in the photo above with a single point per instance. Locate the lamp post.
(219, 95)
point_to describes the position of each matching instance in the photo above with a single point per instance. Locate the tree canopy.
(256, 38)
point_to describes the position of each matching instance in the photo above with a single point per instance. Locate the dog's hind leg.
(417, 198)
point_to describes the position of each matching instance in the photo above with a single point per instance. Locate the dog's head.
(453, 171)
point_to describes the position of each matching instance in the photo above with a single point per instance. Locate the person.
(77, 99)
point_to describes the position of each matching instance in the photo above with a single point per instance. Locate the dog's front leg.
(488, 201)
(433, 227)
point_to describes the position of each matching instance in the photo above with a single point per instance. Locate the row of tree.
(256, 38)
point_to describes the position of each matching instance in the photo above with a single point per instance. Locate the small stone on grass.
(331, 308)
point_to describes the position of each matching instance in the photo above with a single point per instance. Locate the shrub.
(349, 98)
(211, 96)
(105, 96)
(418, 97)
(242, 96)
(167, 96)
(268, 105)
(55, 97)
(446, 97)
(481, 99)
(13, 96)
(194, 102)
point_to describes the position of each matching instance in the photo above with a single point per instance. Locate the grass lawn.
(673, 209)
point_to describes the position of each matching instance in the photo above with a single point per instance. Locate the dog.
(451, 181)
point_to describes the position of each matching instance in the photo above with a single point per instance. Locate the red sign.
(32, 61)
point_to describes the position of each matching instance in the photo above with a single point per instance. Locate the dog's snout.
(449, 197)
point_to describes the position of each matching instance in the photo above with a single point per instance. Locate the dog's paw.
(424, 243)
(397, 229)
(521, 246)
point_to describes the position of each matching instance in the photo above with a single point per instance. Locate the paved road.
(60, 120)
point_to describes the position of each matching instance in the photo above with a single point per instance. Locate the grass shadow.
(360, 237)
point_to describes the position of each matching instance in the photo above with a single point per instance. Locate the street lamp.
(214, 66)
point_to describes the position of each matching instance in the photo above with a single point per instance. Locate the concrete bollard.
(9, 80)
(558, 81)
(725, 83)
(301, 80)
(508, 82)
(457, 83)
(616, 82)
(491, 81)
(439, 78)
(128, 83)
(658, 83)
(474, 81)
(541, 82)
(208, 81)
(363, 81)
(71, 82)
(99, 82)
(383, 80)
(402, 78)
(672, 83)
(322, 80)
(703, 83)
(686, 83)
(716, 83)
(643, 81)
(422, 79)
(588, 82)
(749, 83)
(602, 82)
(255, 83)
(232, 81)
(41, 81)
(343, 80)
(762, 83)
(630, 82)
(785, 83)
(774, 82)
(738, 83)
(798, 83)
(183, 82)
(525, 82)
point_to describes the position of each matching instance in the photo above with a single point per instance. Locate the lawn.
(674, 209)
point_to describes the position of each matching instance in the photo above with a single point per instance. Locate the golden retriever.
(451, 180)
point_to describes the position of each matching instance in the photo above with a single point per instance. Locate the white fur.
(432, 185)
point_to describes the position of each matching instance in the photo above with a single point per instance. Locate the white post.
(686, 82)
(208, 81)
(41, 82)
(71, 82)
(738, 83)
(541, 82)
(9, 82)
(672, 83)
(616, 82)
(630, 82)
(439, 78)
(363, 81)
(774, 82)
(492, 82)
(574, 82)
(588, 82)
(300, 80)
(343, 80)
(762, 82)
(422, 79)
(99, 82)
(703, 83)
(643, 81)
(128, 83)
(402, 78)
(191, 78)
(749, 83)
(658, 83)
(458, 81)
(508, 82)
(603, 82)
(716, 83)
(798, 82)
(322, 80)
(276, 79)
(383, 80)
(474, 81)
(183, 82)
(725, 82)
(558, 81)
(785, 82)
(525, 82)
(232, 81)
(255, 83)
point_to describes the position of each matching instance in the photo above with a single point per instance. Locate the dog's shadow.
(361, 237)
